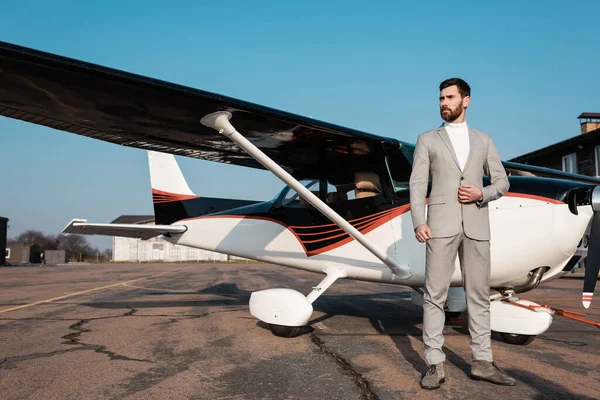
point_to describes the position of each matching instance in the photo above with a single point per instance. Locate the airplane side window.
(367, 184)
(339, 188)
(292, 198)
(353, 185)
(340, 193)
(399, 170)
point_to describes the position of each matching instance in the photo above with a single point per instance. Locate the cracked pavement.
(183, 331)
(360, 380)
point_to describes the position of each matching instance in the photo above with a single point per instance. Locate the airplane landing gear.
(516, 339)
(284, 331)
(538, 318)
(286, 311)
(518, 321)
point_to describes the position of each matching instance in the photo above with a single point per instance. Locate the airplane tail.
(169, 188)
(172, 197)
(167, 180)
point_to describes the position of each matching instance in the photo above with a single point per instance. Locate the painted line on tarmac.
(158, 289)
(84, 292)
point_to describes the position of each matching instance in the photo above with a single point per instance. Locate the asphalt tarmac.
(183, 331)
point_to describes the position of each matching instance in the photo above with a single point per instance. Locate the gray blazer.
(435, 156)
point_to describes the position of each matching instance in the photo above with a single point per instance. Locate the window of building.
(569, 163)
(7, 252)
(597, 159)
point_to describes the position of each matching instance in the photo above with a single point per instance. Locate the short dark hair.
(463, 87)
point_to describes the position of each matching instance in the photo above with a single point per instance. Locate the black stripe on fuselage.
(168, 212)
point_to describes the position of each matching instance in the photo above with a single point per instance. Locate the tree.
(107, 255)
(76, 246)
(40, 240)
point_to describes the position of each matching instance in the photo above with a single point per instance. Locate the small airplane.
(344, 211)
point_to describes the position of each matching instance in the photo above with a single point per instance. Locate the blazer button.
(462, 178)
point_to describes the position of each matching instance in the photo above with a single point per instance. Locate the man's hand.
(469, 194)
(423, 233)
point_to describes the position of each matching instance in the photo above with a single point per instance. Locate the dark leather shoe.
(489, 371)
(433, 377)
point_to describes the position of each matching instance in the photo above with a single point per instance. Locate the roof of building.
(3, 219)
(134, 219)
(556, 146)
(18, 246)
(589, 115)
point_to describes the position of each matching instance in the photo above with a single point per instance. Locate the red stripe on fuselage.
(534, 197)
(368, 223)
(382, 217)
(160, 196)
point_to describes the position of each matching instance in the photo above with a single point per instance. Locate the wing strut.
(220, 122)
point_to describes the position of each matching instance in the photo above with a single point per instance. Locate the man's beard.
(450, 115)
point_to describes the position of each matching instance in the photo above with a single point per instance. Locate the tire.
(284, 331)
(519, 340)
(453, 314)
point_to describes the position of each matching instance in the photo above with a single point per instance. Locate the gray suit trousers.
(474, 256)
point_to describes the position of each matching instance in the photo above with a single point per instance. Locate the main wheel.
(284, 331)
(452, 314)
(520, 340)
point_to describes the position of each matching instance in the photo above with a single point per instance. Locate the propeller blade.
(592, 262)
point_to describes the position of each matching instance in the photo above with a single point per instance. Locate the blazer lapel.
(472, 141)
(444, 135)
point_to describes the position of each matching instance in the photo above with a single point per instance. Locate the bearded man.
(456, 157)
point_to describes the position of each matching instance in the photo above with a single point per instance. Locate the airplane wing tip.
(72, 224)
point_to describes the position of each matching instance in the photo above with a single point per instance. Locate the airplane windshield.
(293, 199)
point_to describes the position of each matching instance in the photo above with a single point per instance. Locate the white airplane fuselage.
(527, 232)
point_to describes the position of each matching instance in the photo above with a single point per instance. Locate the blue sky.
(532, 66)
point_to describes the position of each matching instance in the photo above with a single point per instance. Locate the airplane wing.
(518, 169)
(514, 168)
(136, 111)
(138, 231)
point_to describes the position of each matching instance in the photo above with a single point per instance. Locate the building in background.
(156, 249)
(55, 257)
(18, 254)
(3, 235)
(579, 154)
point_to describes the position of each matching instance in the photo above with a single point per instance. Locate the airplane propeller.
(592, 263)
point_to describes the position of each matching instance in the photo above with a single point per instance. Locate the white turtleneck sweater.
(459, 136)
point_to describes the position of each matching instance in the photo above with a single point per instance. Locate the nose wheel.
(516, 339)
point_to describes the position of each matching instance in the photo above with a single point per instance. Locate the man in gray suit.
(457, 223)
